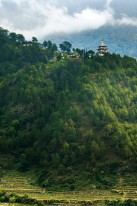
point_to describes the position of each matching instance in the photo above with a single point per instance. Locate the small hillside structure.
(102, 49)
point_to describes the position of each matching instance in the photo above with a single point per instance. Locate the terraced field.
(13, 182)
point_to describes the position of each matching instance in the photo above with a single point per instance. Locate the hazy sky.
(45, 17)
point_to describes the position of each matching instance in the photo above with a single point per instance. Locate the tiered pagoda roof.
(102, 49)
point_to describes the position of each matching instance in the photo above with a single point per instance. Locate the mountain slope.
(74, 119)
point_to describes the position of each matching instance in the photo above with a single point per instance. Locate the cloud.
(59, 21)
(125, 20)
(35, 17)
(108, 3)
(41, 18)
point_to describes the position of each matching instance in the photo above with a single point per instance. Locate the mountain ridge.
(119, 39)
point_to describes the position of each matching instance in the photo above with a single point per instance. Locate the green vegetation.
(72, 119)
(121, 203)
(14, 198)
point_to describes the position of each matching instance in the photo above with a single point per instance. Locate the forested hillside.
(73, 119)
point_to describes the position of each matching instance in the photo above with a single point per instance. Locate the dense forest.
(72, 119)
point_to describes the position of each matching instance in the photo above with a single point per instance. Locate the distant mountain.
(119, 39)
